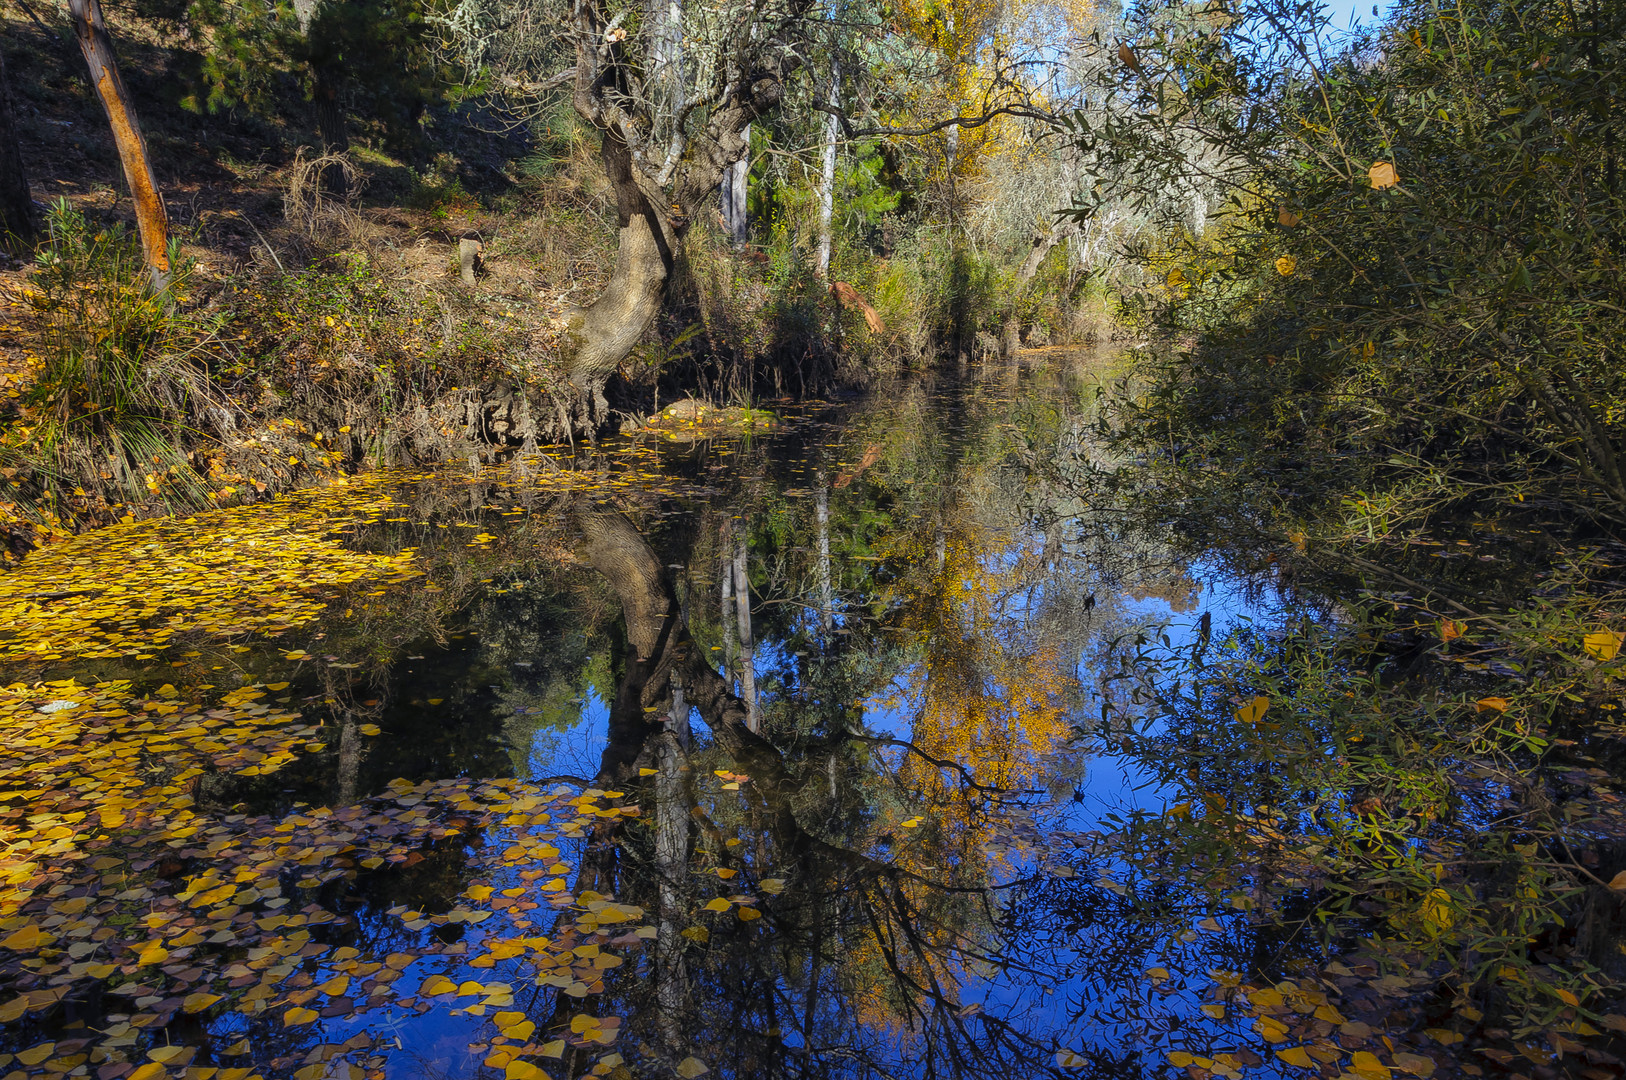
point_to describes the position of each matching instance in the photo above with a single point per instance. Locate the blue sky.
(1344, 10)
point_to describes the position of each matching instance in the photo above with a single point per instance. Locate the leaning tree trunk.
(104, 76)
(609, 328)
(16, 204)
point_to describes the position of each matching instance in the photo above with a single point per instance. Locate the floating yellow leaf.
(28, 938)
(522, 1030)
(437, 985)
(36, 1054)
(1416, 1064)
(1382, 174)
(772, 886)
(523, 1070)
(194, 1003)
(747, 914)
(167, 1055)
(1287, 265)
(717, 904)
(691, 1067)
(296, 1016)
(1491, 704)
(1366, 1065)
(1067, 1059)
(553, 1049)
(1297, 1057)
(1286, 218)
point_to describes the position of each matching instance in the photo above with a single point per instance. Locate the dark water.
(899, 629)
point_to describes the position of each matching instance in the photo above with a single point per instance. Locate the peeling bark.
(151, 218)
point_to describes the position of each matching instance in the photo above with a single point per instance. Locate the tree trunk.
(331, 126)
(16, 204)
(736, 190)
(827, 174)
(153, 222)
(1043, 244)
(609, 328)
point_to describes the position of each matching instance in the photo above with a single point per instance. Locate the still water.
(790, 754)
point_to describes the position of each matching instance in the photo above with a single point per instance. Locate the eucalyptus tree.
(671, 90)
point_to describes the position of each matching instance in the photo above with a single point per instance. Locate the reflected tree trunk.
(742, 609)
(672, 824)
(838, 887)
(725, 574)
(821, 518)
(350, 753)
(612, 545)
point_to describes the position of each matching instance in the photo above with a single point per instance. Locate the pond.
(844, 748)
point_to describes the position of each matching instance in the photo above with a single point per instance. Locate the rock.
(687, 409)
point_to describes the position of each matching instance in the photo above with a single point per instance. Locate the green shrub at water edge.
(124, 376)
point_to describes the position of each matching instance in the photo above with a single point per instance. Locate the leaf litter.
(126, 896)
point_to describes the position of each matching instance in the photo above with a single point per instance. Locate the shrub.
(124, 371)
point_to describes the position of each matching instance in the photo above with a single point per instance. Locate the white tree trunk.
(827, 175)
(735, 191)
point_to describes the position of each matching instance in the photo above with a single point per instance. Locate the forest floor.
(303, 302)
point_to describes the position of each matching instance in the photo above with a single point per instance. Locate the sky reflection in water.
(957, 643)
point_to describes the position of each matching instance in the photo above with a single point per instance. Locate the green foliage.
(1406, 811)
(373, 54)
(124, 370)
(1463, 321)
